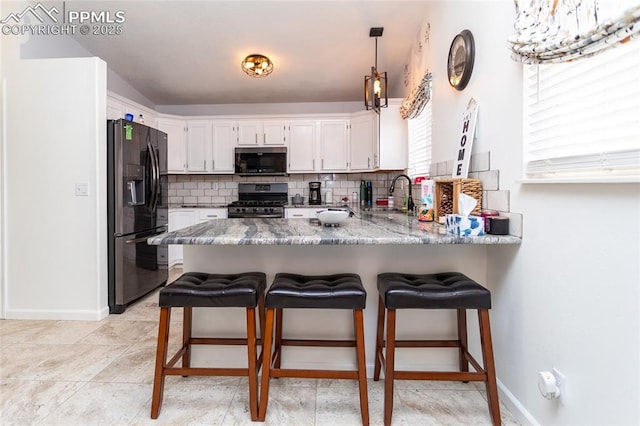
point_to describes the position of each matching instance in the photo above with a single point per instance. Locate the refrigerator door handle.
(154, 176)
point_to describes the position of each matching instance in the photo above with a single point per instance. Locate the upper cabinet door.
(250, 133)
(224, 142)
(176, 146)
(274, 133)
(362, 139)
(302, 142)
(393, 138)
(333, 145)
(198, 146)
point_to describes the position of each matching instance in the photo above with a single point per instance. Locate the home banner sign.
(465, 141)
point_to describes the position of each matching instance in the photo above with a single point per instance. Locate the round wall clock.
(461, 57)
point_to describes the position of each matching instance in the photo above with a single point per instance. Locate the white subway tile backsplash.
(204, 200)
(479, 162)
(441, 168)
(190, 200)
(515, 223)
(449, 168)
(204, 185)
(490, 180)
(498, 200)
(197, 192)
(183, 192)
(225, 192)
(190, 185)
(433, 170)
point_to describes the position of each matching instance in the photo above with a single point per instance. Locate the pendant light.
(375, 85)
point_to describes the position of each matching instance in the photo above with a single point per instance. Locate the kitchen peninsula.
(367, 244)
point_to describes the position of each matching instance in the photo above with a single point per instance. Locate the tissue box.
(465, 226)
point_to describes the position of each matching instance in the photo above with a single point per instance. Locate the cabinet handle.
(368, 162)
(264, 138)
(212, 215)
(256, 139)
(297, 215)
(205, 164)
(322, 164)
(213, 164)
(314, 164)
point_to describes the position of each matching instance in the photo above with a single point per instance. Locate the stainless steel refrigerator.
(137, 210)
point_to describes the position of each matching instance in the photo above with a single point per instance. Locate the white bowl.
(332, 216)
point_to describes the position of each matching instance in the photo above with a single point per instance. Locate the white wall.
(568, 297)
(55, 243)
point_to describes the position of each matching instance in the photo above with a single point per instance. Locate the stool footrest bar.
(453, 376)
(320, 343)
(314, 374)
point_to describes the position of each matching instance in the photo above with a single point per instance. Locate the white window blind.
(582, 119)
(419, 133)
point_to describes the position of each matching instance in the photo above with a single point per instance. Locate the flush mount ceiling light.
(257, 65)
(375, 85)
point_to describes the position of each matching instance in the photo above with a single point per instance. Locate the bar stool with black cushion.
(202, 290)
(449, 290)
(290, 291)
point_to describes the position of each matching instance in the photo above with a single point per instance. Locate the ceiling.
(183, 52)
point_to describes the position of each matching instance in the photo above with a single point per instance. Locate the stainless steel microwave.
(264, 161)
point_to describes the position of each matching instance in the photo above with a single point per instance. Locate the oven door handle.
(257, 216)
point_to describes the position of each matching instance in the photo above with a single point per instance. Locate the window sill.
(620, 179)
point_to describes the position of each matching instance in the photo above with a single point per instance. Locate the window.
(419, 132)
(582, 118)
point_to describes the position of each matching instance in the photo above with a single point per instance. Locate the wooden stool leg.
(489, 367)
(277, 348)
(251, 353)
(379, 339)
(266, 365)
(362, 365)
(161, 359)
(389, 366)
(187, 321)
(462, 337)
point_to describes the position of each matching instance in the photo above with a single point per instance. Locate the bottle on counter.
(363, 193)
(369, 194)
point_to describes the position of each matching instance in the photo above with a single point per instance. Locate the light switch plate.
(82, 189)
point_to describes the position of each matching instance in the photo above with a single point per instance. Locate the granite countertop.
(379, 227)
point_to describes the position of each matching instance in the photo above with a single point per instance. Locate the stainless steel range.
(259, 200)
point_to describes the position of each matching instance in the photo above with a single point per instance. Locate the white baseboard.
(517, 409)
(77, 315)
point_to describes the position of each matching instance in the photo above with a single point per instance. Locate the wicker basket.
(448, 190)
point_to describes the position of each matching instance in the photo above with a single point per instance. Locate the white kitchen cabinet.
(333, 145)
(224, 142)
(363, 136)
(115, 109)
(258, 133)
(178, 219)
(392, 145)
(299, 212)
(250, 133)
(118, 106)
(205, 215)
(274, 132)
(176, 143)
(302, 143)
(181, 218)
(198, 146)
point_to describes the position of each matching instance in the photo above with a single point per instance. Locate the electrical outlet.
(215, 186)
(561, 382)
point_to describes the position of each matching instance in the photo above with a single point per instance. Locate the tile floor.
(81, 373)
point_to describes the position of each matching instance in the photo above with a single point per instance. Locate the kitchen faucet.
(410, 204)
